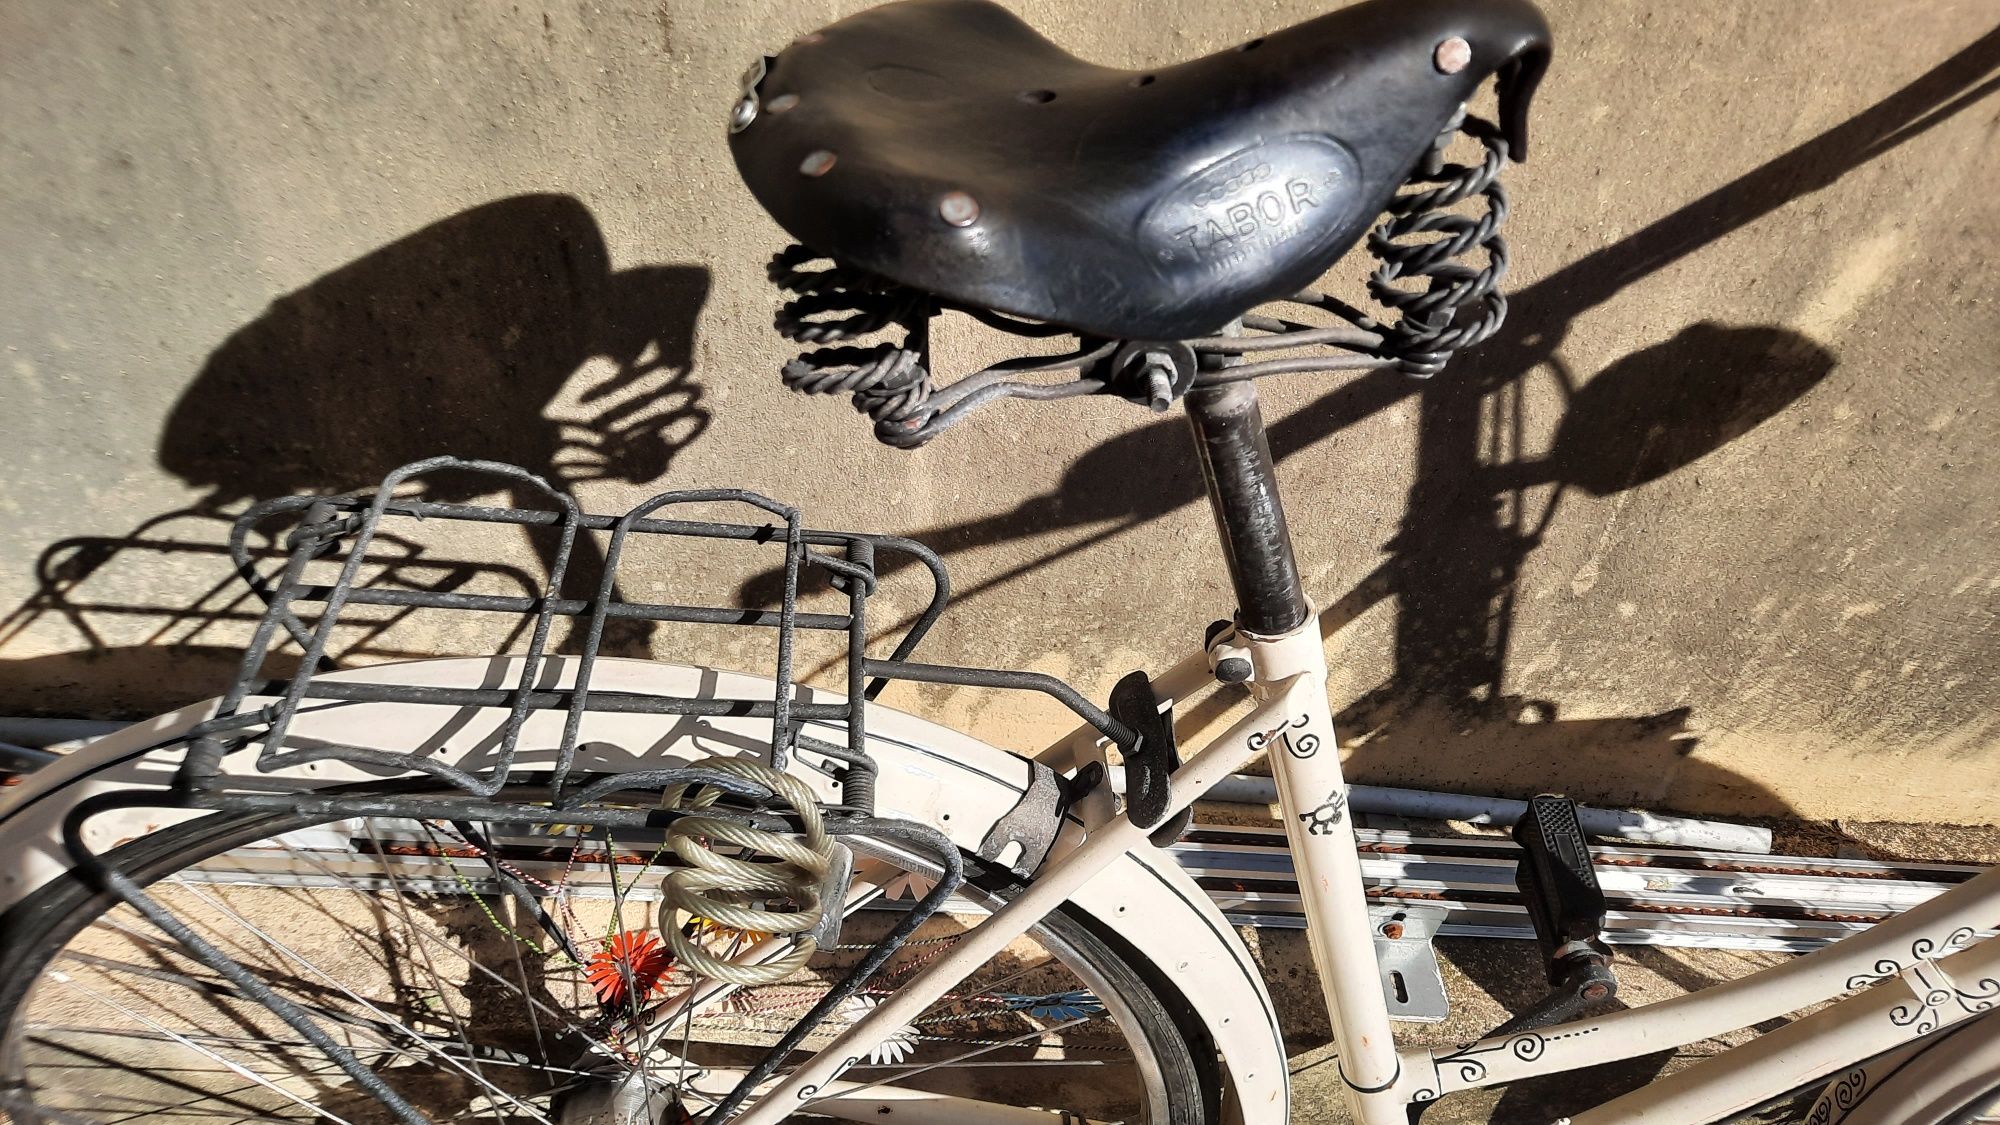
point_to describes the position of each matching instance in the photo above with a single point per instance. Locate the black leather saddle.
(946, 146)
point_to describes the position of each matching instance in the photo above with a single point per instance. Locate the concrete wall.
(1751, 565)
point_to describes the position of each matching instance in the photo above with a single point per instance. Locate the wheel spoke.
(423, 951)
(428, 934)
(411, 1033)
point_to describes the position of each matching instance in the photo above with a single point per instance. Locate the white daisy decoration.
(896, 1046)
(908, 885)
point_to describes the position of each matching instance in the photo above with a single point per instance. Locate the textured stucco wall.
(1752, 565)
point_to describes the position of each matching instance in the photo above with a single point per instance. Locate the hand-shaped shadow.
(502, 332)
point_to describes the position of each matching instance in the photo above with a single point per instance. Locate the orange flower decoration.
(635, 952)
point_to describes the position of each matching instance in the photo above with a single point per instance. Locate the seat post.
(1243, 491)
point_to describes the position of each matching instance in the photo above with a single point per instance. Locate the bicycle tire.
(36, 929)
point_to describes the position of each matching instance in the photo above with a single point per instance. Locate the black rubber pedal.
(1558, 884)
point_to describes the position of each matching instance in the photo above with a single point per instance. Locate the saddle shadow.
(1472, 523)
(502, 333)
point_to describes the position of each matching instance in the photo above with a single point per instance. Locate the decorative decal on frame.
(1323, 818)
(1300, 746)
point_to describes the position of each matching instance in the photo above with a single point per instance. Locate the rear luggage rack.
(334, 533)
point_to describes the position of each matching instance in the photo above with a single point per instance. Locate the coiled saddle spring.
(833, 303)
(1440, 302)
(1422, 239)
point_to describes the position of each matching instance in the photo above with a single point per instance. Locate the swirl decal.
(1934, 991)
(1884, 969)
(1847, 1092)
(1922, 1015)
(1842, 1095)
(1262, 738)
(1921, 951)
(806, 1092)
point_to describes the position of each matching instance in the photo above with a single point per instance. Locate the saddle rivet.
(782, 102)
(808, 39)
(743, 113)
(1452, 55)
(816, 163)
(958, 209)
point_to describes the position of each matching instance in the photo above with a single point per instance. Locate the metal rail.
(1661, 897)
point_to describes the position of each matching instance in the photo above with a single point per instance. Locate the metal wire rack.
(337, 531)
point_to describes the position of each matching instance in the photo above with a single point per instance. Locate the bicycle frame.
(1942, 973)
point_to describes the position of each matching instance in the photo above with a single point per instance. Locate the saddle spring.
(1424, 238)
(1430, 326)
(890, 382)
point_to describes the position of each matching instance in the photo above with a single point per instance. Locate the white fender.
(929, 773)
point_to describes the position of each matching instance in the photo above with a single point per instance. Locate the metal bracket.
(833, 897)
(1037, 817)
(1411, 981)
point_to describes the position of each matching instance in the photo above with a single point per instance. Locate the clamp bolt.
(1159, 386)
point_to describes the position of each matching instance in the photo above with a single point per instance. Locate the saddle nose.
(947, 146)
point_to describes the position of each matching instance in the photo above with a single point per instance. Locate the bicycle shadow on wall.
(1452, 567)
(502, 332)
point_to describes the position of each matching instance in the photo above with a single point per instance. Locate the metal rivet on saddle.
(958, 209)
(1452, 55)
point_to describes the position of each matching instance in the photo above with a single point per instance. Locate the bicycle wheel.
(398, 939)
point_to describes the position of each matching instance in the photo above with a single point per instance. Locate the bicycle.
(861, 913)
